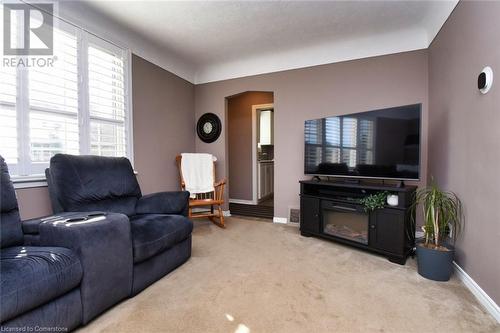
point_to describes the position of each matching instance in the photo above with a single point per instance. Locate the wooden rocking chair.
(212, 199)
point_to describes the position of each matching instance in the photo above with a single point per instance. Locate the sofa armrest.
(176, 202)
(103, 243)
(32, 226)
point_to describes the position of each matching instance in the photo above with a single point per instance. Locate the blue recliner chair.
(160, 229)
(39, 286)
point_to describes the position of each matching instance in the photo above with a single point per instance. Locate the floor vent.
(294, 215)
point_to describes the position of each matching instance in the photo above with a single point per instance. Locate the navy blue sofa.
(160, 229)
(105, 243)
(39, 286)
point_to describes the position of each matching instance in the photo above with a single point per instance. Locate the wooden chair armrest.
(220, 183)
(219, 190)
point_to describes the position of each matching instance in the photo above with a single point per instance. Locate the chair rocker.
(214, 199)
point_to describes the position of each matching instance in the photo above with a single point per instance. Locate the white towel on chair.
(198, 172)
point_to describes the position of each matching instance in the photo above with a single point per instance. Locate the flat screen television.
(375, 144)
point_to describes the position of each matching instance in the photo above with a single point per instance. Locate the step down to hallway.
(252, 210)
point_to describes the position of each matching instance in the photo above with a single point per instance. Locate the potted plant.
(374, 201)
(443, 221)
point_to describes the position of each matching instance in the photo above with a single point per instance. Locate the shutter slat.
(106, 101)
(54, 90)
(53, 105)
(46, 76)
(52, 133)
(8, 137)
(8, 117)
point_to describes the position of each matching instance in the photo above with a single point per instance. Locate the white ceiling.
(228, 39)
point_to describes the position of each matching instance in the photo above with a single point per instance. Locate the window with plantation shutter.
(8, 117)
(107, 100)
(53, 105)
(80, 105)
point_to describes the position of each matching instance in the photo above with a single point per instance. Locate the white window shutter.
(78, 106)
(8, 117)
(107, 99)
(53, 104)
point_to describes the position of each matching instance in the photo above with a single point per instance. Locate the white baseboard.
(478, 292)
(280, 219)
(244, 202)
(226, 213)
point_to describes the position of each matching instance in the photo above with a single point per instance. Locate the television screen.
(375, 144)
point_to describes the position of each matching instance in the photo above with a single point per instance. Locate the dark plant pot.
(434, 264)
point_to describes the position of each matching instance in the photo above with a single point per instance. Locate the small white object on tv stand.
(392, 200)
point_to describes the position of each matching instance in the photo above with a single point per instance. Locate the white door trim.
(255, 185)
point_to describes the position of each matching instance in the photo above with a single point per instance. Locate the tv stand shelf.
(361, 184)
(331, 210)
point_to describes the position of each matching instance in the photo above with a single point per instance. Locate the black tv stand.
(316, 178)
(359, 181)
(352, 181)
(331, 210)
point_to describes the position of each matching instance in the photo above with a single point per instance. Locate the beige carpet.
(263, 277)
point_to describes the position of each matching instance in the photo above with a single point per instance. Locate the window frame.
(84, 38)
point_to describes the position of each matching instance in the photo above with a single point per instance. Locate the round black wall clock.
(209, 127)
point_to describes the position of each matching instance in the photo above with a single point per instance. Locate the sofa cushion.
(154, 233)
(11, 233)
(172, 202)
(87, 183)
(32, 276)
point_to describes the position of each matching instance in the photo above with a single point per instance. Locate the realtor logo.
(28, 30)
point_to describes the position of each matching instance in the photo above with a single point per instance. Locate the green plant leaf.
(374, 201)
(442, 212)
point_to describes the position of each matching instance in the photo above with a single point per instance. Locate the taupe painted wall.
(163, 124)
(163, 120)
(464, 134)
(314, 92)
(33, 202)
(239, 143)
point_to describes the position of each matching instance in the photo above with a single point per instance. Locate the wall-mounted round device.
(485, 80)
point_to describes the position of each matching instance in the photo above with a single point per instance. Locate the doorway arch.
(245, 164)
